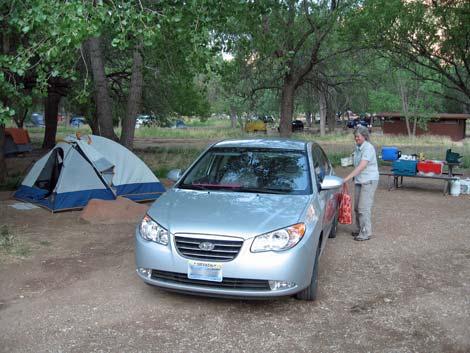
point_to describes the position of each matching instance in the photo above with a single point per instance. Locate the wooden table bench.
(393, 179)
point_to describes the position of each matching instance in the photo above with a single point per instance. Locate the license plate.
(205, 271)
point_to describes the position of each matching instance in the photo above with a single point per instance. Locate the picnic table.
(395, 180)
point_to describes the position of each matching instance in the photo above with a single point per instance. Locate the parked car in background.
(361, 120)
(145, 120)
(249, 219)
(266, 118)
(77, 121)
(297, 126)
(37, 120)
(256, 125)
(179, 125)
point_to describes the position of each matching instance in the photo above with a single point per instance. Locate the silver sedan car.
(248, 219)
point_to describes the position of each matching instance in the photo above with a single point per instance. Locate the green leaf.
(115, 42)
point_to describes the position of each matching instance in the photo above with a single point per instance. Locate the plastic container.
(430, 167)
(390, 153)
(465, 186)
(455, 187)
(346, 161)
(404, 167)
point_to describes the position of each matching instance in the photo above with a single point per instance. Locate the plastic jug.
(390, 153)
(455, 187)
(465, 186)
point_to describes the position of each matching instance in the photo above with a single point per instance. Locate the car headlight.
(152, 231)
(279, 240)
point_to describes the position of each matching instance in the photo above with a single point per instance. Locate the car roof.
(267, 142)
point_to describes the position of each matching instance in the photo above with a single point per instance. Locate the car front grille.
(227, 283)
(223, 249)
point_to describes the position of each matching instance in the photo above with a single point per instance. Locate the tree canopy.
(428, 38)
(116, 59)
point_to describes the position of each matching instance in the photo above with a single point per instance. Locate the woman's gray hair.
(362, 130)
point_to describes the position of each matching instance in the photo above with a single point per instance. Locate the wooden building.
(452, 125)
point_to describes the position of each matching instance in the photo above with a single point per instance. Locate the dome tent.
(80, 168)
(16, 141)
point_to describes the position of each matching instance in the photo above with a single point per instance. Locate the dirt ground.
(406, 290)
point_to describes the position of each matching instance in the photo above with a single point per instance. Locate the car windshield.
(250, 170)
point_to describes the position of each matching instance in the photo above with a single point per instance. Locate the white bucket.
(455, 187)
(465, 186)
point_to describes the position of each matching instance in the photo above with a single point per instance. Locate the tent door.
(47, 179)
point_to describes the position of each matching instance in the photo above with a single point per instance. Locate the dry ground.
(406, 290)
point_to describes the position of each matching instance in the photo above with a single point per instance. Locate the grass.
(210, 129)
(12, 182)
(216, 123)
(6, 238)
(9, 244)
(190, 133)
(45, 243)
(337, 145)
(163, 159)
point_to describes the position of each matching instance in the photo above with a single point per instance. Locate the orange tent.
(17, 141)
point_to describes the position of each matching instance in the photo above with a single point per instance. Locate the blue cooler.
(404, 167)
(390, 153)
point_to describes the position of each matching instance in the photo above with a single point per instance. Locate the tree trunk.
(103, 105)
(20, 123)
(89, 111)
(134, 100)
(3, 165)
(308, 118)
(21, 117)
(323, 111)
(5, 48)
(233, 117)
(330, 112)
(417, 99)
(330, 118)
(405, 106)
(287, 108)
(51, 110)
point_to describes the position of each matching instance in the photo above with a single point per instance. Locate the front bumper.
(165, 267)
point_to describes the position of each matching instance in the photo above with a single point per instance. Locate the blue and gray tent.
(81, 168)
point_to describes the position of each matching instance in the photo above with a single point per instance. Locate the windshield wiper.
(235, 188)
(193, 187)
(211, 186)
(264, 190)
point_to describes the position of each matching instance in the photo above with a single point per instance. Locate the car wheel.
(334, 228)
(310, 293)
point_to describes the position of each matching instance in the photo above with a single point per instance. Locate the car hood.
(227, 213)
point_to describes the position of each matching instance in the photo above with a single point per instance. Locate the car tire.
(310, 293)
(334, 228)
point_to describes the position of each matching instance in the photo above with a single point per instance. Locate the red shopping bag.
(345, 208)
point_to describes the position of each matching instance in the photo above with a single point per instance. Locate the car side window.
(321, 164)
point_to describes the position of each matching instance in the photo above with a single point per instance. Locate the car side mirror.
(174, 174)
(331, 182)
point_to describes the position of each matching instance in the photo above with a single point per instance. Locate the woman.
(366, 178)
